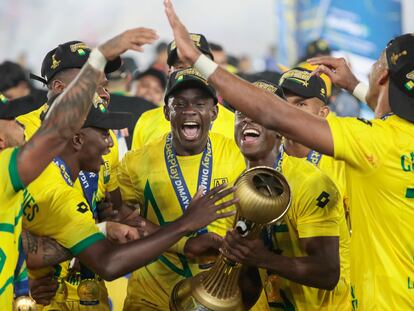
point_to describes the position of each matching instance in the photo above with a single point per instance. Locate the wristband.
(360, 92)
(102, 227)
(97, 60)
(205, 66)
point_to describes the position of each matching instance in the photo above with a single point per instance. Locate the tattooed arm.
(42, 251)
(70, 109)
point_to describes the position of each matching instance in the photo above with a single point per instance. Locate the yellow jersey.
(315, 211)
(56, 209)
(379, 157)
(107, 175)
(144, 179)
(335, 169)
(152, 125)
(10, 224)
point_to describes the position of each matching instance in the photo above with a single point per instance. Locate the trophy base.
(190, 295)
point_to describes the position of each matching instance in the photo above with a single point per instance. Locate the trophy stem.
(222, 279)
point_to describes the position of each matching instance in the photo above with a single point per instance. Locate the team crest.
(219, 181)
(55, 62)
(395, 56)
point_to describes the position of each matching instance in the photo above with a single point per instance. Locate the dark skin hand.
(206, 244)
(44, 289)
(262, 107)
(337, 70)
(42, 251)
(111, 261)
(69, 111)
(319, 269)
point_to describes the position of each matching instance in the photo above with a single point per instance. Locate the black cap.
(300, 82)
(400, 58)
(200, 42)
(72, 54)
(160, 75)
(10, 109)
(186, 78)
(317, 47)
(100, 117)
(268, 86)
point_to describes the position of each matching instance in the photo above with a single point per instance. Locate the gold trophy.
(264, 198)
(24, 303)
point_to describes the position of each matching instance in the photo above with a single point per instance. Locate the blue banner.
(362, 27)
(359, 27)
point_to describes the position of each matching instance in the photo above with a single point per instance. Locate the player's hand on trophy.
(44, 289)
(132, 39)
(204, 209)
(245, 251)
(337, 70)
(185, 46)
(206, 244)
(121, 233)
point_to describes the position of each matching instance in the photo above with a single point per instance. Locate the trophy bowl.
(264, 198)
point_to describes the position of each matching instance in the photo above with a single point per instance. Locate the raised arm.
(270, 111)
(70, 109)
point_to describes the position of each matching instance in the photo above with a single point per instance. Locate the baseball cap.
(186, 78)
(300, 82)
(72, 54)
(10, 109)
(102, 118)
(317, 47)
(272, 88)
(152, 72)
(199, 41)
(400, 58)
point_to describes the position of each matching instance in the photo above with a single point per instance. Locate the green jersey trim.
(85, 243)
(14, 174)
(8, 282)
(6, 228)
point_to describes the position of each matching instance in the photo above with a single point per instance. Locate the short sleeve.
(128, 179)
(13, 171)
(356, 142)
(317, 211)
(74, 227)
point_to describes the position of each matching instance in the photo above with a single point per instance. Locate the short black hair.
(161, 47)
(11, 75)
(216, 47)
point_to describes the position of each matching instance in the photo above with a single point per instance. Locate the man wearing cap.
(377, 156)
(59, 68)
(301, 266)
(20, 166)
(162, 177)
(152, 124)
(52, 200)
(308, 93)
(150, 84)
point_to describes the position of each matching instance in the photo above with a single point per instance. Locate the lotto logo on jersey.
(219, 181)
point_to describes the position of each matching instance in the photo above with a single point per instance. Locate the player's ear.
(214, 112)
(77, 141)
(324, 111)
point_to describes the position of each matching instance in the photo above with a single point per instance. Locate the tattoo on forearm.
(69, 111)
(30, 242)
(43, 249)
(53, 253)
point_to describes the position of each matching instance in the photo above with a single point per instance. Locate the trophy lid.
(264, 195)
